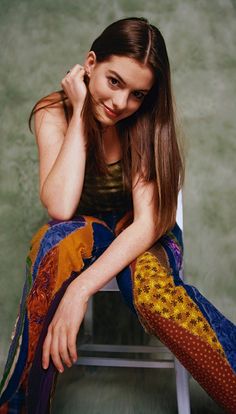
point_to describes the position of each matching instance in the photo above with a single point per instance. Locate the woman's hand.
(60, 342)
(74, 86)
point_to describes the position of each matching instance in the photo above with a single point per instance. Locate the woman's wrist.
(77, 110)
(80, 290)
(76, 127)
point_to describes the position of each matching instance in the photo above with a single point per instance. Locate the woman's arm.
(128, 245)
(62, 152)
(60, 341)
(62, 158)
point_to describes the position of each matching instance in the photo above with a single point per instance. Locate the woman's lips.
(109, 112)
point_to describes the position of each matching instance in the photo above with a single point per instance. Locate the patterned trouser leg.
(201, 338)
(59, 251)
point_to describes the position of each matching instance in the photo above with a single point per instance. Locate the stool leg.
(88, 319)
(182, 388)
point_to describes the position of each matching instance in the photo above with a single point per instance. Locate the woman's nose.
(120, 101)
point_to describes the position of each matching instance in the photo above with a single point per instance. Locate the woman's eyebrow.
(122, 80)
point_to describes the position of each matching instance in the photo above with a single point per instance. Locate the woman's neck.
(112, 145)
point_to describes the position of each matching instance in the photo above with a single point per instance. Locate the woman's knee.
(47, 237)
(54, 231)
(76, 239)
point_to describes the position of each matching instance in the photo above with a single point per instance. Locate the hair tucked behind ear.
(149, 138)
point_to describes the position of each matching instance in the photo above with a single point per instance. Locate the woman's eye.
(139, 95)
(113, 81)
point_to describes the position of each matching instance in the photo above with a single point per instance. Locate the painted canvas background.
(40, 40)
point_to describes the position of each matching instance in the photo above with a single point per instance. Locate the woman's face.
(118, 86)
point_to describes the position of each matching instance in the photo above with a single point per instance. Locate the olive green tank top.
(104, 193)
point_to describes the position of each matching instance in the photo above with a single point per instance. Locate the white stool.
(163, 357)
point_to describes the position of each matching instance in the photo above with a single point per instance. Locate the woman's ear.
(90, 63)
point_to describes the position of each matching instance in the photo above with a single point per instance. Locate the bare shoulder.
(51, 119)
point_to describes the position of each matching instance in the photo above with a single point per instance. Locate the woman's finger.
(72, 345)
(75, 70)
(63, 350)
(46, 350)
(54, 351)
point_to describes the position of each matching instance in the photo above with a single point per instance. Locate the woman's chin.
(105, 121)
(103, 116)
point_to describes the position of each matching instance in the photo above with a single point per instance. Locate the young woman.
(110, 172)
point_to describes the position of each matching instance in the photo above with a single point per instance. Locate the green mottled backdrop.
(40, 40)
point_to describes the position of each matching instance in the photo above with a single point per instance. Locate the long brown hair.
(149, 138)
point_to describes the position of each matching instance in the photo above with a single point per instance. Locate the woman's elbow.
(59, 215)
(58, 212)
(149, 226)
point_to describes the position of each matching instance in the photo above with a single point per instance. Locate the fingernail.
(60, 370)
